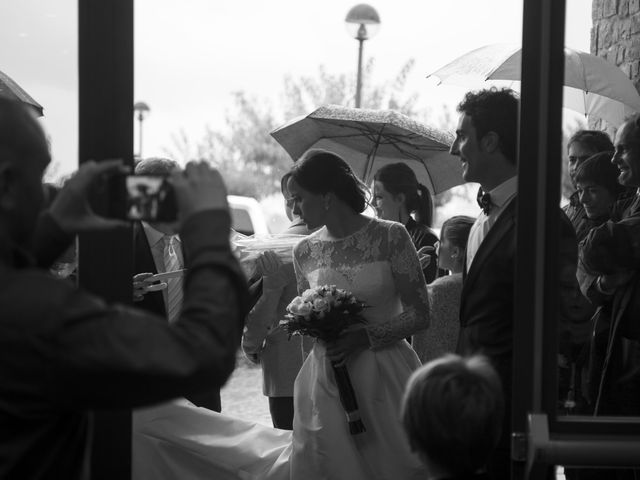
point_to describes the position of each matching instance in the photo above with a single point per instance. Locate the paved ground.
(242, 395)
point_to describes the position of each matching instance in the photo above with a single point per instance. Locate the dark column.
(539, 168)
(105, 66)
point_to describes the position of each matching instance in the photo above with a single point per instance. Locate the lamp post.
(362, 23)
(142, 110)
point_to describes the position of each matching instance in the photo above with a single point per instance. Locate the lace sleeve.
(301, 278)
(412, 289)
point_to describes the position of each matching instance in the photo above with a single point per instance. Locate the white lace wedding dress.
(379, 265)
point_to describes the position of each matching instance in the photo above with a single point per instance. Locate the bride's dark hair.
(323, 172)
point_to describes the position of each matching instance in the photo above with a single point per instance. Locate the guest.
(444, 293)
(263, 340)
(596, 180)
(486, 143)
(64, 351)
(609, 273)
(397, 195)
(582, 145)
(452, 412)
(158, 249)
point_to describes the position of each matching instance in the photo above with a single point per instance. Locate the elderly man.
(486, 143)
(64, 351)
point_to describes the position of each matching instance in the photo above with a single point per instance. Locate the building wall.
(615, 34)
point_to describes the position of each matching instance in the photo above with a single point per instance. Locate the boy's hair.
(452, 412)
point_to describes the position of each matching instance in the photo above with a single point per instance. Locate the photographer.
(64, 351)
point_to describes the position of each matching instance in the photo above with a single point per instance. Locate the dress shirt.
(500, 198)
(156, 244)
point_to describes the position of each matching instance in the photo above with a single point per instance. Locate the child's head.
(597, 183)
(453, 242)
(452, 412)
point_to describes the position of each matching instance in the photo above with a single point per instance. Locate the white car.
(247, 216)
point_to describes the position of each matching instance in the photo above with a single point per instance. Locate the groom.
(486, 143)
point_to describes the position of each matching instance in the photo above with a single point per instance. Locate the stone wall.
(615, 34)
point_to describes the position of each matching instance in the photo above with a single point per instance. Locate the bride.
(376, 261)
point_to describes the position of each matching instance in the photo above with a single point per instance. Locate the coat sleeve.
(114, 356)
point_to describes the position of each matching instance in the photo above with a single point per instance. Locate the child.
(452, 413)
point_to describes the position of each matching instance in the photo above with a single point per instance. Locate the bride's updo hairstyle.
(322, 172)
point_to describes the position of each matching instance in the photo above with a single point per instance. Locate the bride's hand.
(352, 340)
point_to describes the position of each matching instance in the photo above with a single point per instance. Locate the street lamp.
(363, 23)
(143, 110)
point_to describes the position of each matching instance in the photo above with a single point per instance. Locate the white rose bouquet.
(324, 312)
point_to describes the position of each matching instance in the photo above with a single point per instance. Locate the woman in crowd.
(444, 292)
(397, 194)
(376, 261)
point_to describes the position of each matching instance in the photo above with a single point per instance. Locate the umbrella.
(370, 139)
(10, 89)
(593, 86)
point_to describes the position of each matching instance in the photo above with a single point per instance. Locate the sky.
(191, 55)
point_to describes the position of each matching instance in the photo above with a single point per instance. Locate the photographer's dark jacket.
(64, 351)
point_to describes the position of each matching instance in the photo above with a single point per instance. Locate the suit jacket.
(154, 302)
(487, 303)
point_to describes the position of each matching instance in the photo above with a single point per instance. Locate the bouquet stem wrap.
(348, 399)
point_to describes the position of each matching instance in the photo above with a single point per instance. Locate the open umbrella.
(370, 139)
(593, 86)
(10, 89)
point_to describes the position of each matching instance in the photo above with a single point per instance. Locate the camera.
(150, 198)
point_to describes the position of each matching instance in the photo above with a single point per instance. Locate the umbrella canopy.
(370, 139)
(593, 86)
(10, 89)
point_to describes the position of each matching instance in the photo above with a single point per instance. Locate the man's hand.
(199, 188)
(270, 265)
(143, 285)
(424, 255)
(610, 283)
(71, 209)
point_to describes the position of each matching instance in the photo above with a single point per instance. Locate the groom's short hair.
(452, 412)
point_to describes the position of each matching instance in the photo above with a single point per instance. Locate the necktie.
(174, 285)
(484, 200)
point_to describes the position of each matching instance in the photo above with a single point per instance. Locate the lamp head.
(362, 22)
(142, 109)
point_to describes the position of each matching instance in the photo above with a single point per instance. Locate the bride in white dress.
(377, 262)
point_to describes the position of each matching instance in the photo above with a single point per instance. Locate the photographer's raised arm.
(148, 359)
(70, 212)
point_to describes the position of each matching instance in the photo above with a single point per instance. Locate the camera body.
(142, 197)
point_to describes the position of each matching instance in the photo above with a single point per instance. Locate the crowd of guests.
(456, 408)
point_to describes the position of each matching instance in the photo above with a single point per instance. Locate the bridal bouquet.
(324, 312)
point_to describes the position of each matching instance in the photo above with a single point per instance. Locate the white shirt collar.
(155, 236)
(503, 192)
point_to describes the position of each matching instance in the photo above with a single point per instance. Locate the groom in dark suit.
(486, 143)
